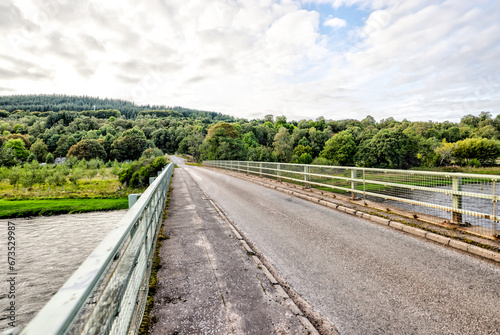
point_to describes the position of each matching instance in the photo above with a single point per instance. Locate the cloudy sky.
(415, 59)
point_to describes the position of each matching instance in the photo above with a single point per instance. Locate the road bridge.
(363, 277)
(351, 274)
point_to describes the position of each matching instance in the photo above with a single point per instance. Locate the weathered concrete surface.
(208, 284)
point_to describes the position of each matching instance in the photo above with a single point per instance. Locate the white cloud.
(418, 59)
(335, 23)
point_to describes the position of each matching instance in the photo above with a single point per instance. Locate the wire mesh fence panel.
(463, 199)
(292, 172)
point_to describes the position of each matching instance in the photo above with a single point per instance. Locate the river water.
(479, 205)
(48, 250)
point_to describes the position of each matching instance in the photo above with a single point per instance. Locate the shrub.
(138, 173)
(305, 158)
(49, 159)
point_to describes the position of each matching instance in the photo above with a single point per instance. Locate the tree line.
(42, 104)
(108, 135)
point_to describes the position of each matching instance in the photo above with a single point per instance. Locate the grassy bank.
(23, 208)
(110, 188)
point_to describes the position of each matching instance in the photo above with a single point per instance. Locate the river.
(48, 250)
(486, 206)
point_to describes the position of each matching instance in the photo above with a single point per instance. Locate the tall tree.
(283, 145)
(87, 149)
(340, 149)
(40, 150)
(129, 146)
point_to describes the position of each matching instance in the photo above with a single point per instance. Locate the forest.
(42, 128)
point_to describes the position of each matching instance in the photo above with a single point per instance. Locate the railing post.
(248, 168)
(364, 185)
(260, 169)
(306, 176)
(495, 222)
(132, 199)
(457, 200)
(278, 172)
(353, 183)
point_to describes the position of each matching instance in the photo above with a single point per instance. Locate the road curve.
(365, 278)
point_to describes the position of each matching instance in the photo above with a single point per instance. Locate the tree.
(92, 169)
(280, 122)
(138, 173)
(368, 121)
(63, 145)
(115, 168)
(14, 176)
(389, 148)
(18, 148)
(317, 140)
(40, 150)
(488, 131)
(283, 145)
(482, 149)
(65, 117)
(76, 175)
(7, 157)
(300, 149)
(129, 146)
(152, 153)
(164, 139)
(445, 151)
(250, 140)
(219, 147)
(87, 149)
(305, 158)
(18, 129)
(49, 159)
(30, 174)
(223, 129)
(27, 142)
(57, 178)
(340, 149)
(191, 144)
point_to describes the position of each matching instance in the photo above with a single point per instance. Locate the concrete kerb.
(264, 268)
(443, 240)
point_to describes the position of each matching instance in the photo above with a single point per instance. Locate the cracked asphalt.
(207, 283)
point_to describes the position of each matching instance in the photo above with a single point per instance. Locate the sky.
(341, 59)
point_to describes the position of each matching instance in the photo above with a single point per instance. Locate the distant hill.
(60, 102)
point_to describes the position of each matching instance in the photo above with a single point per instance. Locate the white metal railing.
(464, 199)
(108, 292)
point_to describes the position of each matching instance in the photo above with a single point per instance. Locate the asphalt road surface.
(363, 277)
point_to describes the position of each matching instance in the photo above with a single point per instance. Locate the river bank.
(36, 207)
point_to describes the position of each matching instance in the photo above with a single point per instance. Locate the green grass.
(23, 208)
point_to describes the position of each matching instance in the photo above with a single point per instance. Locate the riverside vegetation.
(75, 186)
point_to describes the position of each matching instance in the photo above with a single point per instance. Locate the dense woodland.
(43, 127)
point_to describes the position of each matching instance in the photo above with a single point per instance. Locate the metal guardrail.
(108, 292)
(463, 199)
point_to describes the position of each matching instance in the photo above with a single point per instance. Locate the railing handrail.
(338, 178)
(59, 313)
(418, 172)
